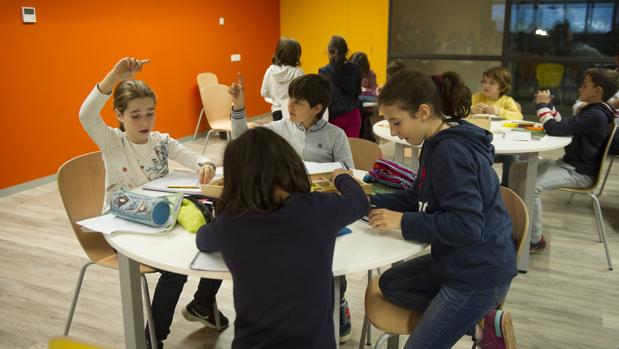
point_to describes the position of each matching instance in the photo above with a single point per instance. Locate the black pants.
(167, 293)
(277, 115)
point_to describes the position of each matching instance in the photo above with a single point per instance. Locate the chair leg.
(195, 133)
(76, 294)
(383, 338)
(606, 176)
(149, 312)
(569, 201)
(208, 134)
(364, 332)
(598, 215)
(368, 325)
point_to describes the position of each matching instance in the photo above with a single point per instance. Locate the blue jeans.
(448, 312)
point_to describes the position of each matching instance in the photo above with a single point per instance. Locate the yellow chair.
(549, 76)
(217, 104)
(395, 320)
(81, 183)
(364, 153)
(72, 343)
(601, 228)
(204, 79)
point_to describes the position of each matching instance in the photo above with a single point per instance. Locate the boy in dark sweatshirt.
(581, 162)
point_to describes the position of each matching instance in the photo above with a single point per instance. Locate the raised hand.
(543, 96)
(124, 69)
(237, 92)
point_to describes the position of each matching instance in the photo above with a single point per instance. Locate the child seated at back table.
(582, 159)
(278, 238)
(493, 99)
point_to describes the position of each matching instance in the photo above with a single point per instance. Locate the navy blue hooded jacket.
(345, 87)
(456, 205)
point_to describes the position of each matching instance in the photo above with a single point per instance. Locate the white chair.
(204, 79)
(590, 191)
(217, 109)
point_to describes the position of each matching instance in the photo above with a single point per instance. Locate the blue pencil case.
(344, 231)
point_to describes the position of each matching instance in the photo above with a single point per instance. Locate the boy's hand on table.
(384, 219)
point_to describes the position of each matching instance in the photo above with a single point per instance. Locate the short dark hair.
(361, 59)
(287, 52)
(447, 93)
(394, 67)
(313, 88)
(255, 165)
(607, 79)
(502, 76)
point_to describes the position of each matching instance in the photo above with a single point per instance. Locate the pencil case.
(139, 208)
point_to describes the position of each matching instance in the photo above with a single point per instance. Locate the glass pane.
(469, 70)
(447, 27)
(528, 77)
(563, 28)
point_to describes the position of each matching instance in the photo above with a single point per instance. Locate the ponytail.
(447, 94)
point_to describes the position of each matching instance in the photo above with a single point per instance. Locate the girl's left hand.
(384, 219)
(206, 173)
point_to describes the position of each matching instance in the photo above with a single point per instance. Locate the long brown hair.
(255, 165)
(447, 94)
(128, 90)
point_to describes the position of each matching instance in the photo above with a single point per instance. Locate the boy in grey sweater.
(312, 137)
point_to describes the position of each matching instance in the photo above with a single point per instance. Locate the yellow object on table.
(510, 125)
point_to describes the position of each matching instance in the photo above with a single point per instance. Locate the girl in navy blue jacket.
(456, 206)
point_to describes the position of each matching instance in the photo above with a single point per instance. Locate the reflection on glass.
(563, 28)
(471, 71)
(468, 27)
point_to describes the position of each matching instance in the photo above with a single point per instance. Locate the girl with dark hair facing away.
(345, 80)
(284, 68)
(368, 77)
(277, 238)
(134, 154)
(454, 205)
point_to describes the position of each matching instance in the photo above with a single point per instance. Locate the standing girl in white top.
(285, 68)
(134, 154)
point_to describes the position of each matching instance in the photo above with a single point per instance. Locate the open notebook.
(179, 181)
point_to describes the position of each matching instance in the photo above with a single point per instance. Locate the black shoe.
(205, 316)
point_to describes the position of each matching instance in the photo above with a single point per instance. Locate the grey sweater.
(323, 142)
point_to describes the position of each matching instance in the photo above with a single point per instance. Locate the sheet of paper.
(518, 136)
(109, 223)
(326, 167)
(212, 261)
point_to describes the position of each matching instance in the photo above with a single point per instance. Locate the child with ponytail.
(456, 206)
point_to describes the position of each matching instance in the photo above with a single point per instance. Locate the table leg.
(529, 192)
(336, 309)
(131, 298)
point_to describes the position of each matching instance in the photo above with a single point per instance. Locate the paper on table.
(315, 167)
(109, 223)
(179, 181)
(518, 136)
(212, 261)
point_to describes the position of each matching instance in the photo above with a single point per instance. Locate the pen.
(182, 187)
(344, 165)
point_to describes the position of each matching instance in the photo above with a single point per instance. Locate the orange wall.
(48, 68)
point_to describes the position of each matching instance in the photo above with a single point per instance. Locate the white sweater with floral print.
(128, 165)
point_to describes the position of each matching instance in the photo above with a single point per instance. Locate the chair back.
(520, 218)
(549, 74)
(480, 122)
(81, 183)
(364, 153)
(205, 79)
(217, 104)
(611, 134)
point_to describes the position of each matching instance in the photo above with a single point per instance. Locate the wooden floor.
(568, 299)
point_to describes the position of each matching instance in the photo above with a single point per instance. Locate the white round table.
(381, 129)
(361, 250)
